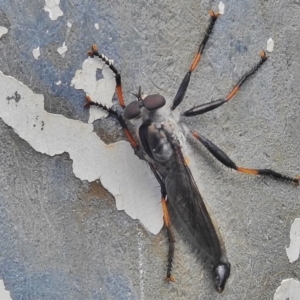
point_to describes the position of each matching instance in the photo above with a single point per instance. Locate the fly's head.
(221, 273)
(143, 106)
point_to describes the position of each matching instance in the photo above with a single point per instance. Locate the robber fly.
(159, 140)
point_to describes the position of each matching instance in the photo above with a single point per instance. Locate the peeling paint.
(36, 52)
(97, 26)
(293, 250)
(221, 7)
(289, 289)
(126, 177)
(62, 50)
(58, 82)
(69, 24)
(52, 7)
(4, 294)
(270, 45)
(99, 90)
(3, 30)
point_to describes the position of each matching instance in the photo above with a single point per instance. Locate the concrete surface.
(63, 238)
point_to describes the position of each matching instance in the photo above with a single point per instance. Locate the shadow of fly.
(159, 140)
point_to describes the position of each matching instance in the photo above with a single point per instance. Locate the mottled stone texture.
(61, 238)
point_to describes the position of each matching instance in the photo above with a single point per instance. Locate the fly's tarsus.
(89, 103)
(232, 93)
(110, 63)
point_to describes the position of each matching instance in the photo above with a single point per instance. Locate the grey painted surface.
(64, 239)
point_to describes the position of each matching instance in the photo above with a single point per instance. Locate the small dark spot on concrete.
(4, 19)
(240, 47)
(34, 125)
(16, 97)
(43, 123)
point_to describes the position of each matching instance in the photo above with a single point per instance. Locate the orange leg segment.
(186, 80)
(94, 52)
(225, 160)
(203, 108)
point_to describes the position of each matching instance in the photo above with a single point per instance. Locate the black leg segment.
(167, 223)
(185, 82)
(225, 160)
(203, 108)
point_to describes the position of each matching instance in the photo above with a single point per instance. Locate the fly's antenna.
(138, 94)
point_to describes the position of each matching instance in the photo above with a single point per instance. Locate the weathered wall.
(61, 237)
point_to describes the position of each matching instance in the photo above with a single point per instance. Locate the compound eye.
(132, 110)
(153, 102)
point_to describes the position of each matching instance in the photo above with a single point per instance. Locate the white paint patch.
(221, 7)
(270, 45)
(289, 289)
(69, 24)
(52, 7)
(58, 82)
(293, 250)
(36, 52)
(97, 26)
(4, 294)
(101, 91)
(62, 50)
(3, 30)
(126, 177)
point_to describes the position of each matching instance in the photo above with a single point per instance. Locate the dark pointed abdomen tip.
(221, 273)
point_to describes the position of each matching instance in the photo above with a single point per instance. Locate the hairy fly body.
(160, 140)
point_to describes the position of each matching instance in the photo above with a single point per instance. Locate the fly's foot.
(89, 102)
(263, 55)
(93, 51)
(170, 278)
(213, 14)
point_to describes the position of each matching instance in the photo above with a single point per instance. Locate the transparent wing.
(190, 215)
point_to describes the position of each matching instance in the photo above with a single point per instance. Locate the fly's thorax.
(155, 142)
(155, 126)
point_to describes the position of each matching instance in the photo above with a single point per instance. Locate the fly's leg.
(225, 160)
(127, 132)
(135, 146)
(171, 238)
(94, 52)
(167, 223)
(185, 82)
(203, 108)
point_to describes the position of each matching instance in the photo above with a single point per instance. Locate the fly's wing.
(191, 217)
